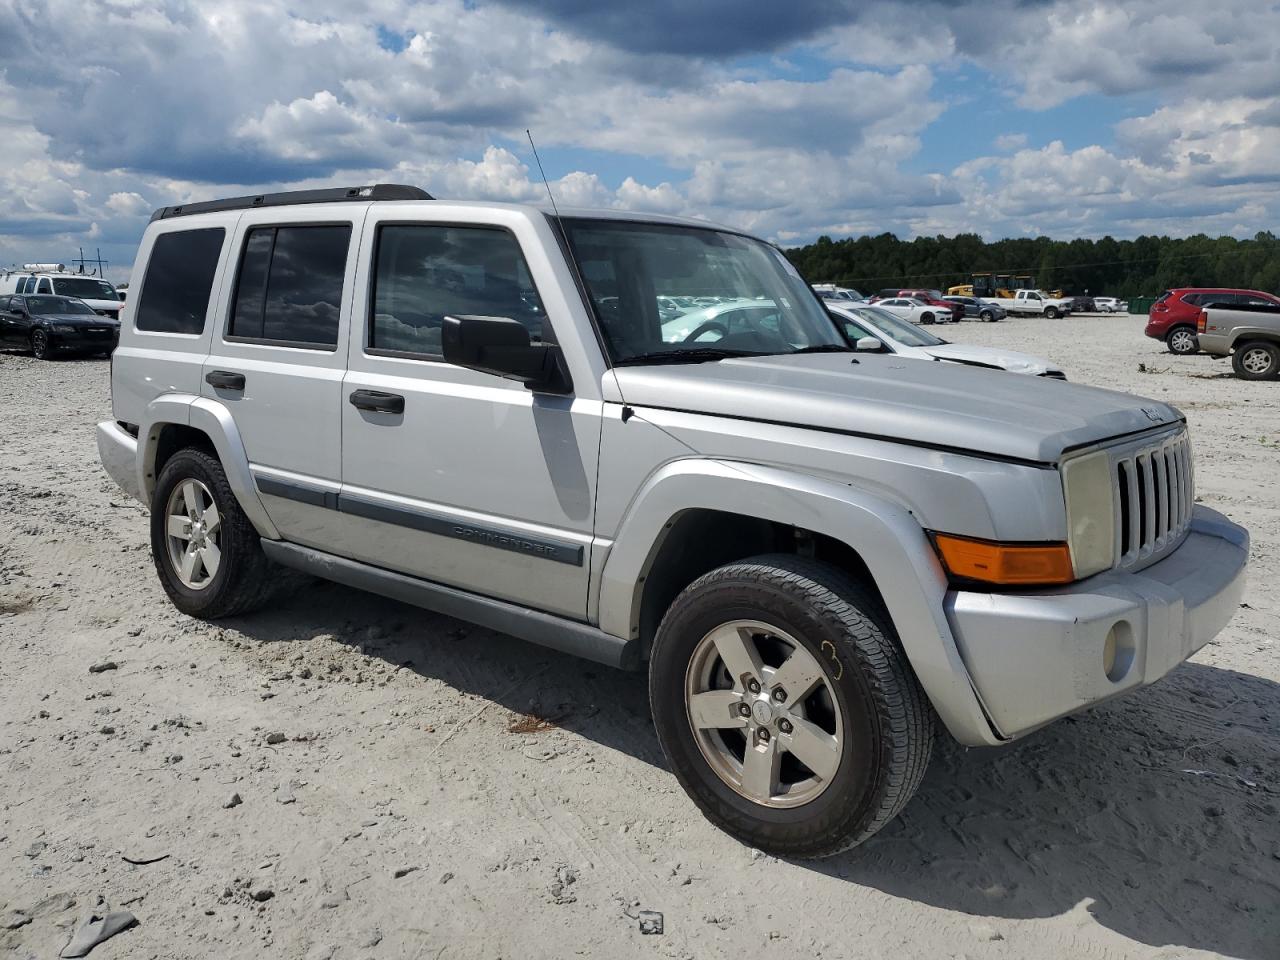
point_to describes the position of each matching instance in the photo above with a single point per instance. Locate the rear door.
(456, 476)
(278, 356)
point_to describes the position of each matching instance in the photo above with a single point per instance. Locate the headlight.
(1091, 534)
(63, 328)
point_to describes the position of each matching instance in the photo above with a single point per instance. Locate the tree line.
(1145, 266)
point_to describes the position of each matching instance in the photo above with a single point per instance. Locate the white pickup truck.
(1034, 302)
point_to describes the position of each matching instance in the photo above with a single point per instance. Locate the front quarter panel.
(886, 535)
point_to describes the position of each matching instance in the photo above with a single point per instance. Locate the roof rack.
(374, 191)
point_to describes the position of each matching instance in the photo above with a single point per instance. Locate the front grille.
(1155, 491)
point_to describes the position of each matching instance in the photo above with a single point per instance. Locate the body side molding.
(548, 630)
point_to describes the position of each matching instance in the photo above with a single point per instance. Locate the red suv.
(931, 297)
(1173, 317)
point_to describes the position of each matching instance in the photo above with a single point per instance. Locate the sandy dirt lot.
(345, 777)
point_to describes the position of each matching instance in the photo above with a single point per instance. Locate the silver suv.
(642, 440)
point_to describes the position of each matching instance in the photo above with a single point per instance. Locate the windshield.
(898, 329)
(89, 287)
(672, 293)
(57, 305)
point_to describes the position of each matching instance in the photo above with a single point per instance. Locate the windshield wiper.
(822, 348)
(701, 355)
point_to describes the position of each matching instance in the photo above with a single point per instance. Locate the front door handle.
(225, 379)
(377, 401)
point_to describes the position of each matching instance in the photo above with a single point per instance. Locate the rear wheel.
(206, 551)
(1051, 313)
(40, 346)
(786, 707)
(1182, 340)
(1257, 360)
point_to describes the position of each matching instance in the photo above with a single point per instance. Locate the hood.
(103, 304)
(945, 405)
(1010, 360)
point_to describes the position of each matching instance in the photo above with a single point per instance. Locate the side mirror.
(868, 345)
(500, 346)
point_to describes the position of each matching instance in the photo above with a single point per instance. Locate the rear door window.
(44, 286)
(289, 289)
(178, 282)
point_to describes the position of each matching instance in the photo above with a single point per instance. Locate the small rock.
(650, 921)
(36, 849)
(106, 729)
(332, 901)
(1214, 811)
(232, 801)
(446, 876)
(104, 666)
(14, 920)
(399, 872)
(370, 938)
(276, 737)
(321, 951)
(262, 894)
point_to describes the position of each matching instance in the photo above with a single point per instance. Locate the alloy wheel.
(193, 534)
(1256, 360)
(1182, 341)
(763, 713)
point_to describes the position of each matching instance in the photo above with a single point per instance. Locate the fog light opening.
(1117, 651)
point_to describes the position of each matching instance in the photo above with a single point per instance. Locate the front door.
(448, 474)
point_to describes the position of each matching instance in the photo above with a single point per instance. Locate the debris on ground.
(650, 921)
(98, 925)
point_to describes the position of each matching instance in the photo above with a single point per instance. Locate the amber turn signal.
(1005, 564)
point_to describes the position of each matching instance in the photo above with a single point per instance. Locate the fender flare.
(214, 421)
(1239, 335)
(885, 534)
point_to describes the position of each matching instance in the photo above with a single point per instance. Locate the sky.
(1065, 118)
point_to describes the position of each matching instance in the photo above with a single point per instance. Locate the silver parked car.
(820, 558)
(863, 324)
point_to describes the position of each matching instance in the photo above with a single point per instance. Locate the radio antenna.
(542, 173)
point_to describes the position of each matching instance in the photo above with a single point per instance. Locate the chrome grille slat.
(1154, 495)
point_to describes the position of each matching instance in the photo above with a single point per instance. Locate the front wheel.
(926, 318)
(1051, 313)
(1257, 360)
(786, 707)
(986, 316)
(40, 346)
(1182, 340)
(206, 551)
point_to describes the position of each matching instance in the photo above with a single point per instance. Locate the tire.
(40, 347)
(986, 316)
(244, 578)
(926, 318)
(867, 704)
(1051, 313)
(1182, 341)
(1256, 360)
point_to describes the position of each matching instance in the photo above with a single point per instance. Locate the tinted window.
(290, 285)
(425, 273)
(179, 279)
(44, 304)
(44, 286)
(30, 286)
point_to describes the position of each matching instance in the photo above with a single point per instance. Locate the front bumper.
(1035, 657)
(118, 451)
(88, 341)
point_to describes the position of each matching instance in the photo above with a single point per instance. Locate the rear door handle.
(225, 379)
(377, 401)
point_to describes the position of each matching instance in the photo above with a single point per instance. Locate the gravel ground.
(346, 777)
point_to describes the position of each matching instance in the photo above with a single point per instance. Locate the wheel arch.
(176, 421)
(694, 515)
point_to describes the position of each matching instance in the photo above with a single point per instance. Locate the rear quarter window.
(178, 281)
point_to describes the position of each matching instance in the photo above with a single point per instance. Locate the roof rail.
(375, 191)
